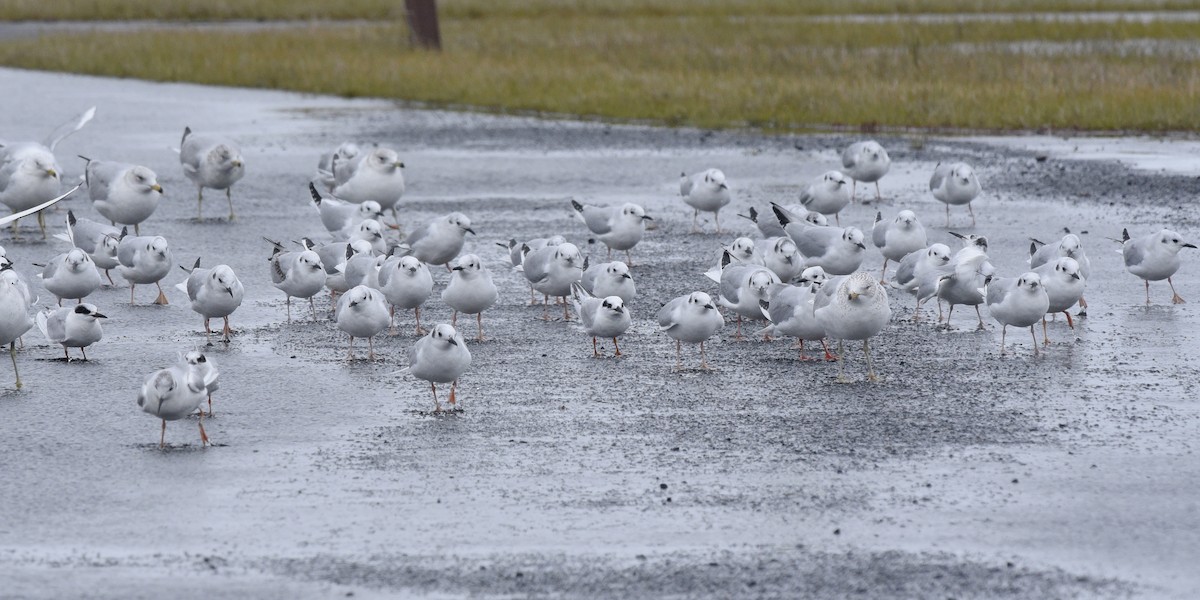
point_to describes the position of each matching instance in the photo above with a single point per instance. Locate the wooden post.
(423, 24)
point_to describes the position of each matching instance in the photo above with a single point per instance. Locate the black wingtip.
(577, 206)
(124, 232)
(779, 214)
(316, 196)
(197, 265)
(1124, 235)
(186, 132)
(1032, 248)
(349, 250)
(71, 217)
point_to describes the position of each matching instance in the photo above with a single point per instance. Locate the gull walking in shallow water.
(955, 184)
(866, 162)
(214, 293)
(618, 227)
(14, 313)
(693, 319)
(211, 161)
(853, 308)
(440, 357)
(1069, 246)
(73, 327)
(601, 317)
(122, 193)
(470, 291)
(362, 312)
(144, 259)
(706, 191)
(1154, 257)
(172, 394)
(1064, 287)
(1017, 301)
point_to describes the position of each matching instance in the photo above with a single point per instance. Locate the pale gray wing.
(415, 350)
(8, 166)
(850, 155)
(52, 267)
(811, 240)
(418, 234)
(195, 281)
(997, 290)
(127, 250)
(332, 255)
(537, 264)
(806, 196)
(597, 219)
(879, 231)
(100, 175)
(589, 276)
(344, 167)
(1133, 253)
(87, 233)
(56, 326)
(666, 314)
(783, 303)
(939, 175)
(191, 153)
(75, 124)
(907, 269)
(281, 264)
(587, 311)
(731, 282)
(686, 184)
(828, 290)
(386, 270)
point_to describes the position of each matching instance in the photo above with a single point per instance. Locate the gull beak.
(469, 230)
(627, 276)
(710, 306)
(457, 269)
(353, 303)
(99, 316)
(724, 187)
(230, 290)
(51, 173)
(237, 163)
(860, 245)
(854, 295)
(378, 236)
(957, 235)
(453, 341)
(398, 165)
(1075, 275)
(787, 259)
(1189, 245)
(647, 218)
(157, 188)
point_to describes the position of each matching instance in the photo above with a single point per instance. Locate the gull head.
(222, 278)
(938, 254)
(613, 306)
(88, 312)
(310, 260)
(813, 276)
(854, 237)
(1068, 267)
(444, 334)
(143, 180)
(1029, 281)
(568, 255)
(618, 270)
(461, 222)
(410, 265)
(158, 246)
(385, 159)
(468, 263)
(700, 302)
(1172, 242)
(907, 218)
(77, 260)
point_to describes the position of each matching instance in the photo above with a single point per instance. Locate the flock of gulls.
(802, 279)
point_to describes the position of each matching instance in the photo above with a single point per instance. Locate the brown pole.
(423, 23)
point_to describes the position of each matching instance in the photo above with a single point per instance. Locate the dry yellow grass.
(706, 68)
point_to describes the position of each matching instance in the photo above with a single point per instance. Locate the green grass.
(708, 65)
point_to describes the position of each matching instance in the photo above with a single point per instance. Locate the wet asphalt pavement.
(962, 474)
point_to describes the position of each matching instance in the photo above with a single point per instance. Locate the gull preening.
(211, 161)
(174, 393)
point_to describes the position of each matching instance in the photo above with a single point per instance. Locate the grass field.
(757, 63)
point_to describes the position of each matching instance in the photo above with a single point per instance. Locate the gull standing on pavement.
(790, 310)
(618, 227)
(440, 357)
(897, 238)
(373, 176)
(144, 259)
(470, 291)
(827, 195)
(207, 368)
(297, 275)
(955, 184)
(781, 256)
(1154, 257)
(609, 279)
(172, 394)
(853, 308)
(1017, 301)
(693, 319)
(97, 239)
(439, 241)
(552, 270)
(406, 284)
(919, 271)
(601, 317)
(362, 312)
(705, 191)
(1064, 287)
(14, 313)
(341, 218)
(73, 327)
(214, 293)
(71, 275)
(744, 289)
(866, 162)
(962, 282)
(516, 254)
(124, 194)
(29, 173)
(211, 161)
(836, 250)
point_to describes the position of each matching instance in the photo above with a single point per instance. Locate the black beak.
(709, 306)
(353, 303)
(456, 269)
(1075, 275)
(1189, 245)
(230, 290)
(724, 187)
(957, 235)
(99, 316)
(627, 276)
(647, 218)
(453, 341)
(469, 230)
(860, 245)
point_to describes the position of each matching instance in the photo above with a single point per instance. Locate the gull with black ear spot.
(439, 241)
(211, 161)
(609, 279)
(297, 275)
(144, 259)
(341, 218)
(827, 195)
(470, 291)
(1017, 301)
(705, 191)
(601, 317)
(1154, 257)
(955, 184)
(867, 162)
(71, 275)
(693, 319)
(440, 357)
(406, 284)
(97, 239)
(362, 312)
(836, 250)
(207, 368)
(73, 327)
(552, 270)
(617, 227)
(214, 292)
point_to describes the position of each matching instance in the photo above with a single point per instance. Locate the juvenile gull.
(211, 161)
(297, 275)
